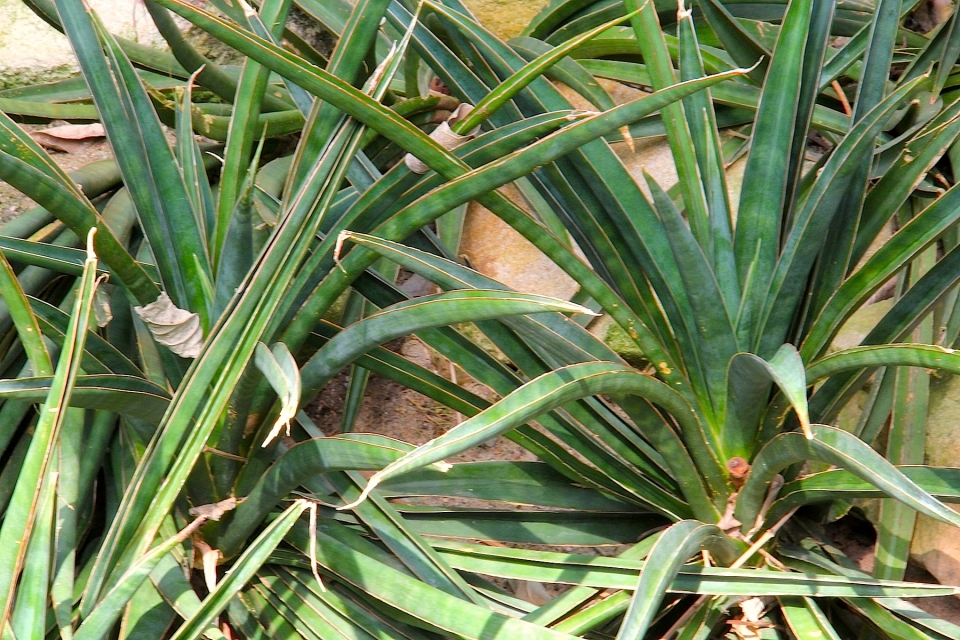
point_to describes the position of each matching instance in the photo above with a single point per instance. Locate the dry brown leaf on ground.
(70, 138)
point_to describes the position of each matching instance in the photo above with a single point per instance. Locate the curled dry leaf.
(281, 371)
(750, 623)
(101, 308)
(445, 136)
(216, 510)
(532, 592)
(209, 557)
(69, 138)
(173, 327)
(728, 523)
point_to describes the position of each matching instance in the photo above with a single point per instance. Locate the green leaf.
(416, 599)
(28, 619)
(510, 87)
(244, 129)
(209, 384)
(739, 43)
(838, 447)
(711, 316)
(32, 171)
(871, 356)
(912, 238)
(871, 89)
(649, 36)
(898, 182)
(127, 395)
(359, 33)
(548, 527)
(747, 382)
(26, 323)
(399, 536)
(731, 94)
(672, 550)
(533, 399)
(622, 572)
(99, 357)
(415, 315)
(805, 619)
(905, 444)
(531, 483)
(815, 212)
(66, 260)
(144, 156)
(105, 615)
(296, 465)
(190, 159)
(71, 485)
(562, 338)
(234, 265)
(840, 484)
(705, 136)
(242, 570)
(763, 195)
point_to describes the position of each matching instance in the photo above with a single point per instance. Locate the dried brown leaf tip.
(739, 469)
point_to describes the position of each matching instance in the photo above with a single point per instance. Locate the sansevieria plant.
(166, 317)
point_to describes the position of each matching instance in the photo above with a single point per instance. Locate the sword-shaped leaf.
(843, 449)
(24, 504)
(538, 396)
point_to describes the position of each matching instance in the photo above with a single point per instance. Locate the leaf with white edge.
(675, 546)
(281, 371)
(537, 397)
(842, 449)
(747, 391)
(103, 618)
(418, 314)
(175, 328)
(445, 136)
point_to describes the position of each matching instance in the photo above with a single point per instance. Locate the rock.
(494, 249)
(650, 155)
(22, 62)
(936, 545)
(506, 18)
(617, 339)
(856, 328)
(417, 286)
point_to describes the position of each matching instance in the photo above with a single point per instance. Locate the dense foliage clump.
(161, 480)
